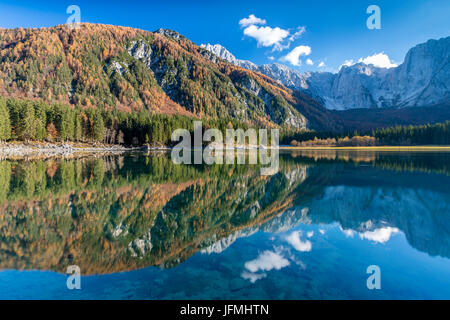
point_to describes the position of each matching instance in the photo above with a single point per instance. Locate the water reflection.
(121, 213)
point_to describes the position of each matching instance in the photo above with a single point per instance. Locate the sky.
(305, 35)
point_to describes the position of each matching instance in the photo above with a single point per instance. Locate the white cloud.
(267, 36)
(253, 277)
(299, 245)
(251, 20)
(309, 62)
(271, 58)
(322, 231)
(348, 232)
(321, 64)
(310, 234)
(380, 60)
(347, 63)
(267, 261)
(293, 57)
(380, 235)
(300, 31)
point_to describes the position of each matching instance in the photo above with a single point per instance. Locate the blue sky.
(331, 32)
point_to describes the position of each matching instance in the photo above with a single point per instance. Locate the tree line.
(434, 134)
(36, 120)
(429, 134)
(26, 120)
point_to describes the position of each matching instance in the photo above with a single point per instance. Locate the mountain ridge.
(162, 72)
(421, 80)
(128, 69)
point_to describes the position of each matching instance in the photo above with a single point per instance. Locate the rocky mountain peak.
(226, 55)
(422, 80)
(169, 34)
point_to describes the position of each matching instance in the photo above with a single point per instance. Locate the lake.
(139, 226)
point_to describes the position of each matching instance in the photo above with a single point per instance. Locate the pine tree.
(25, 127)
(40, 122)
(98, 127)
(5, 123)
(78, 134)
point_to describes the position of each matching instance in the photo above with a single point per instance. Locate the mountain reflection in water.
(122, 213)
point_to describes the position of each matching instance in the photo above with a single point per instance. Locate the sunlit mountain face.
(139, 226)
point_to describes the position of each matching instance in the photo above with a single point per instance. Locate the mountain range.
(163, 72)
(421, 80)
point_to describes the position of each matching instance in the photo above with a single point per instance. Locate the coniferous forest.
(25, 120)
(430, 134)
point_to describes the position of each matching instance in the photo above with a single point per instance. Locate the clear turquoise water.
(308, 232)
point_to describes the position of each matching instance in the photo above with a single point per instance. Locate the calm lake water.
(140, 227)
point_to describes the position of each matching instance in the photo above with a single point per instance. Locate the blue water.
(341, 217)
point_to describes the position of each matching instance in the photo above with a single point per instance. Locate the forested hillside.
(119, 69)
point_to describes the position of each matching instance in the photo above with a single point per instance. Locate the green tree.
(40, 121)
(26, 126)
(98, 127)
(78, 133)
(5, 123)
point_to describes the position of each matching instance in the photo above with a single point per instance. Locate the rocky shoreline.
(43, 150)
(47, 150)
